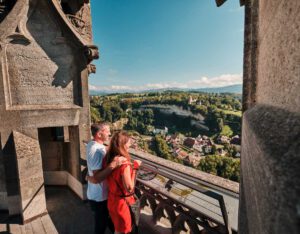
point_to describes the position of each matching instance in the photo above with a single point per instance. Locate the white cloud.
(203, 82)
(93, 87)
(219, 81)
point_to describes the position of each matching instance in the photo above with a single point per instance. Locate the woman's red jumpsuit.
(117, 206)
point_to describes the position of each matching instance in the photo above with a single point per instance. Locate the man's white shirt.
(95, 154)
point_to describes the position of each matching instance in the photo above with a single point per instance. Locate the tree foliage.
(225, 167)
(161, 147)
(95, 115)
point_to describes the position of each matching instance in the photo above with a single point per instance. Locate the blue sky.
(147, 44)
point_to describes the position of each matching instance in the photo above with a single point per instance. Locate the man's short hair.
(98, 127)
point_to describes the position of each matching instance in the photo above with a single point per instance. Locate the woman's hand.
(136, 164)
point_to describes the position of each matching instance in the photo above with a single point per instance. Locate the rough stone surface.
(278, 81)
(270, 182)
(73, 163)
(270, 167)
(250, 54)
(54, 152)
(45, 51)
(30, 174)
(3, 193)
(11, 173)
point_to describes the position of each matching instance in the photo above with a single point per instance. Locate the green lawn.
(230, 112)
(226, 131)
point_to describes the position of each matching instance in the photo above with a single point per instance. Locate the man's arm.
(100, 175)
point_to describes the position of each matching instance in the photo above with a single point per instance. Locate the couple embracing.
(111, 180)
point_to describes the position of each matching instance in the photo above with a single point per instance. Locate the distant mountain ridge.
(225, 89)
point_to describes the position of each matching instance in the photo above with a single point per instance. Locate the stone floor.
(68, 214)
(38, 226)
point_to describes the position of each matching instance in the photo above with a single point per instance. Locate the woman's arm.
(129, 178)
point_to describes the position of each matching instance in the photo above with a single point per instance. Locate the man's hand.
(91, 179)
(100, 175)
(118, 161)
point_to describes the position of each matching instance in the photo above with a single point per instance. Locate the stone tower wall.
(270, 187)
(45, 55)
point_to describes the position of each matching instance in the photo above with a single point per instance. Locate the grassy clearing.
(226, 131)
(231, 112)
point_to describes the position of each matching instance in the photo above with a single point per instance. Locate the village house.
(182, 154)
(198, 147)
(191, 160)
(207, 149)
(189, 142)
(223, 139)
(162, 131)
(191, 100)
(236, 140)
(221, 152)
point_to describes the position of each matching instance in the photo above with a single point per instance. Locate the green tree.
(148, 116)
(225, 167)
(161, 147)
(220, 124)
(95, 115)
(117, 112)
(213, 149)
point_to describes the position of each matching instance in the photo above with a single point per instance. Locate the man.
(97, 192)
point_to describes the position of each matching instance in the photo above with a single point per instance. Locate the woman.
(121, 183)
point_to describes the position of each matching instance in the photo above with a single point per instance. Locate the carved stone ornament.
(78, 13)
(39, 64)
(76, 16)
(221, 2)
(91, 68)
(91, 52)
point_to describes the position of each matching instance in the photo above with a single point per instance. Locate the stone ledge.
(63, 178)
(203, 176)
(43, 107)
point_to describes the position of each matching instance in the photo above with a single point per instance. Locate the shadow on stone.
(69, 213)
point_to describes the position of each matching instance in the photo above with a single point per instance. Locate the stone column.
(74, 161)
(3, 192)
(11, 173)
(24, 174)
